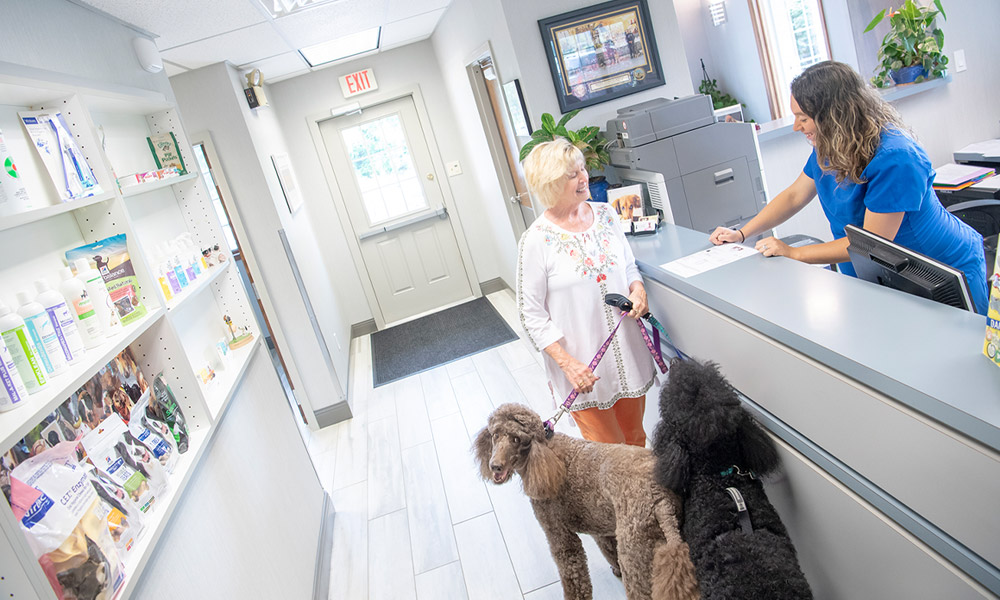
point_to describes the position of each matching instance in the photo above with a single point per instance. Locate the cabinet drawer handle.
(724, 176)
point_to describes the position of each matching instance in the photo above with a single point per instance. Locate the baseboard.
(363, 328)
(324, 551)
(496, 284)
(328, 415)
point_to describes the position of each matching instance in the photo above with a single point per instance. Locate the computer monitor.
(884, 262)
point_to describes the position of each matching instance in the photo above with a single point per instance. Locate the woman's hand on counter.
(772, 246)
(722, 235)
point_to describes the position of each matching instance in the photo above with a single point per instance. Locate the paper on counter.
(706, 260)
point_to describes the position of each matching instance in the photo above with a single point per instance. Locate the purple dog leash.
(612, 299)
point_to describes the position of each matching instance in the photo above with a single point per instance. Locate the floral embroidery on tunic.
(590, 250)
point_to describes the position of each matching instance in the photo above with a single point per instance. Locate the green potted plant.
(593, 146)
(911, 51)
(720, 99)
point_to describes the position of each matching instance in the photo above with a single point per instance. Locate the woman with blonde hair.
(568, 260)
(869, 172)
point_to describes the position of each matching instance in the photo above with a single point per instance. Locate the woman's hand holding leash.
(579, 375)
(637, 296)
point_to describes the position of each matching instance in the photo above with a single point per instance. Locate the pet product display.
(43, 334)
(14, 393)
(88, 323)
(991, 345)
(60, 512)
(112, 450)
(153, 434)
(163, 407)
(125, 520)
(14, 196)
(100, 299)
(65, 163)
(22, 349)
(166, 152)
(70, 340)
(240, 340)
(115, 267)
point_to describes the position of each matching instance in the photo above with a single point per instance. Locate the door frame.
(494, 140)
(337, 194)
(306, 412)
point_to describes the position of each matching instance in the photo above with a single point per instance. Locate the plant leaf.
(568, 116)
(548, 122)
(875, 21)
(940, 8)
(526, 150)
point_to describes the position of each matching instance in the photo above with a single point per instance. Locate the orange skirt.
(620, 424)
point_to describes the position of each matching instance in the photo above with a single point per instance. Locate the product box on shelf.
(166, 151)
(134, 179)
(112, 260)
(67, 167)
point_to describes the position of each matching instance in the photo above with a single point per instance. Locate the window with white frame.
(791, 36)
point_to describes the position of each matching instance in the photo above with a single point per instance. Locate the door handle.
(516, 198)
(430, 177)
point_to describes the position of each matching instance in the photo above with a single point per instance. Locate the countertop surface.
(925, 355)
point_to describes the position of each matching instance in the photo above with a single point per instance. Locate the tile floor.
(413, 518)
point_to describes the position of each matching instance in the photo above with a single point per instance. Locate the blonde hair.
(547, 167)
(850, 117)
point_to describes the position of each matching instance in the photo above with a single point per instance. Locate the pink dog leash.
(550, 424)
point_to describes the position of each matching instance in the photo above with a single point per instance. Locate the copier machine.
(699, 173)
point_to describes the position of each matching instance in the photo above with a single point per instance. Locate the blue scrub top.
(899, 179)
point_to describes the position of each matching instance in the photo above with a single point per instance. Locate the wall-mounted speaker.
(148, 54)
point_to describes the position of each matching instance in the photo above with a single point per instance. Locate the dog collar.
(737, 471)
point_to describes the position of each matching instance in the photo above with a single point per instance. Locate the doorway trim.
(249, 256)
(337, 194)
(494, 141)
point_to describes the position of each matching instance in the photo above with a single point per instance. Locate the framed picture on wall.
(286, 177)
(601, 52)
(517, 108)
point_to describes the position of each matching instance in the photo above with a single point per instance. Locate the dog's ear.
(482, 447)
(544, 472)
(673, 464)
(757, 448)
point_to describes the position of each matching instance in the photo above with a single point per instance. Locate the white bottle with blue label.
(61, 315)
(22, 350)
(14, 394)
(40, 328)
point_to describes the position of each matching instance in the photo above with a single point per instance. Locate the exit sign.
(353, 84)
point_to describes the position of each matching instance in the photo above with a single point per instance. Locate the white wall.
(211, 99)
(297, 99)
(539, 93)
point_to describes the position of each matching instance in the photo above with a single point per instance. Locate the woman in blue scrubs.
(873, 175)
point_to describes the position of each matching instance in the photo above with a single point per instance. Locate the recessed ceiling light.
(343, 47)
(283, 8)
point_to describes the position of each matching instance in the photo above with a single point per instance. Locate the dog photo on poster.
(601, 52)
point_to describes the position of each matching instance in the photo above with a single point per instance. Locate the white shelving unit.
(176, 336)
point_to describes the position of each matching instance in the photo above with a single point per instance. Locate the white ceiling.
(195, 33)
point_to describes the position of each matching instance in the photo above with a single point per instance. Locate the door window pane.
(384, 169)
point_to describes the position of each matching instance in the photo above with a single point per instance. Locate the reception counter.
(885, 411)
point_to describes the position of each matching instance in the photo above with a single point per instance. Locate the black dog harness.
(741, 505)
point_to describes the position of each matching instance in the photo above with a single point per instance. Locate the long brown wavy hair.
(850, 117)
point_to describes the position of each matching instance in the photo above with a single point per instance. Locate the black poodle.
(711, 452)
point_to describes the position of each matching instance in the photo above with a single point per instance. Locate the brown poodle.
(605, 490)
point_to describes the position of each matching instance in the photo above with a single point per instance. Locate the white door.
(383, 166)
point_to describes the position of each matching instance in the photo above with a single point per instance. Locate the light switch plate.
(454, 168)
(959, 61)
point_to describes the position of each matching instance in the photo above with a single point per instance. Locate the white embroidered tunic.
(562, 278)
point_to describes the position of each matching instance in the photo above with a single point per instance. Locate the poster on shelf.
(111, 258)
(166, 152)
(66, 165)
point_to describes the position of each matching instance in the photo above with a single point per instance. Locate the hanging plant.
(709, 87)
(911, 51)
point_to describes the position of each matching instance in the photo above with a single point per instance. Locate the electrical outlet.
(959, 61)
(454, 168)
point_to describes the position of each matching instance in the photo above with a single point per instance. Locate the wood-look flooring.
(413, 518)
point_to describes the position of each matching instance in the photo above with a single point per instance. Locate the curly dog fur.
(702, 433)
(605, 490)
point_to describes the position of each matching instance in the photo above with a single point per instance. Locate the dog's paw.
(617, 572)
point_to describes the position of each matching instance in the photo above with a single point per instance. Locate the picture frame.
(286, 178)
(601, 52)
(517, 108)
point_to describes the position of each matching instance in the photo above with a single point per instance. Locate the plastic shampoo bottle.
(22, 349)
(43, 334)
(63, 320)
(88, 324)
(13, 392)
(99, 296)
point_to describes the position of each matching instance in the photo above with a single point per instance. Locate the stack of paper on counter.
(956, 177)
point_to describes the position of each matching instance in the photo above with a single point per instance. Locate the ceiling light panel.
(342, 47)
(182, 21)
(238, 47)
(283, 8)
(328, 21)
